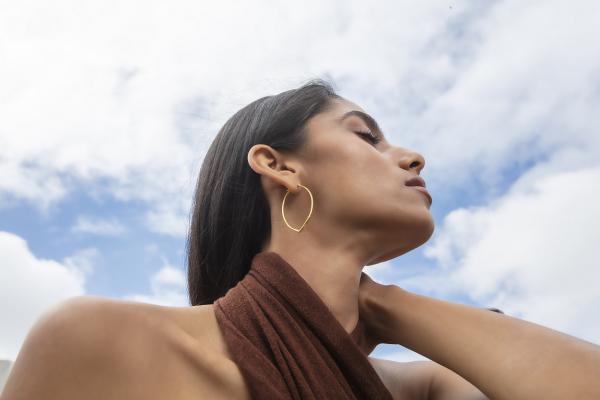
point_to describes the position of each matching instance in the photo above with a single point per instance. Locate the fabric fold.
(286, 341)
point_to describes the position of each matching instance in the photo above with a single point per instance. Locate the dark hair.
(231, 219)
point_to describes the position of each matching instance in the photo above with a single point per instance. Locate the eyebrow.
(370, 121)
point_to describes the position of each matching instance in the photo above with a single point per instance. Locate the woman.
(297, 193)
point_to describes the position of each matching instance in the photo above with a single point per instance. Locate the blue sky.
(107, 109)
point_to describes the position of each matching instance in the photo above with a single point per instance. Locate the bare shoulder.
(424, 380)
(100, 348)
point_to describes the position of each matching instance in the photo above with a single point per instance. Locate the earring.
(309, 214)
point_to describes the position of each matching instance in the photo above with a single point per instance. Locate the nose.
(410, 160)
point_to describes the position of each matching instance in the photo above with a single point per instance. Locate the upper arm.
(424, 380)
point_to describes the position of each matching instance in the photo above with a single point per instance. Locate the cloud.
(485, 92)
(509, 102)
(531, 253)
(91, 105)
(165, 219)
(471, 85)
(168, 287)
(14, 176)
(30, 285)
(98, 226)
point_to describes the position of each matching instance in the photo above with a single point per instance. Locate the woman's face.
(359, 186)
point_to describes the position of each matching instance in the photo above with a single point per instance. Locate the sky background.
(107, 109)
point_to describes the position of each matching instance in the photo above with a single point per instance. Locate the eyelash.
(370, 137)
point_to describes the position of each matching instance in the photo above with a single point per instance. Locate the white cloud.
(479, 90)
(470, 85)
(98, 226)
(168, 287)
(15, 183)
(165, 219)
(531, 253)
(522, 91)
(30, 285)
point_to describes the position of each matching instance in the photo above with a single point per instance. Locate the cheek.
(351, 178)
(358, 180)
(375, 177)
(357, 170)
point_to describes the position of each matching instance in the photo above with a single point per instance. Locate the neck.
(333, 274)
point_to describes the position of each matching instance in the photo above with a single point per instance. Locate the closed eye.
(370, 137)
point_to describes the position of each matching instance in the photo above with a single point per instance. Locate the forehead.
(341, 106)
(334, 113)
(341, 110)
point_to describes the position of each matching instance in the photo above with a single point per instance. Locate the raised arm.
(507, 358)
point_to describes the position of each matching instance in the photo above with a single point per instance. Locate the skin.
(363, 214)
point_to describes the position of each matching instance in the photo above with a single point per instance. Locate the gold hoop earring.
(309, 214)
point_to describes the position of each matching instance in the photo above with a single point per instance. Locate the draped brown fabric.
(286, 341)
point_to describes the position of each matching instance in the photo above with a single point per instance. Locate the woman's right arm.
(505, 357)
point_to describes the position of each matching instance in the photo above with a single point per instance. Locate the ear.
(274, 166)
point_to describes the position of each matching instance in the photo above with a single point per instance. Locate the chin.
(430, 227)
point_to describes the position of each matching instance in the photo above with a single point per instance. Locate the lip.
(424, 191)
(419, 184)
(415, 181)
